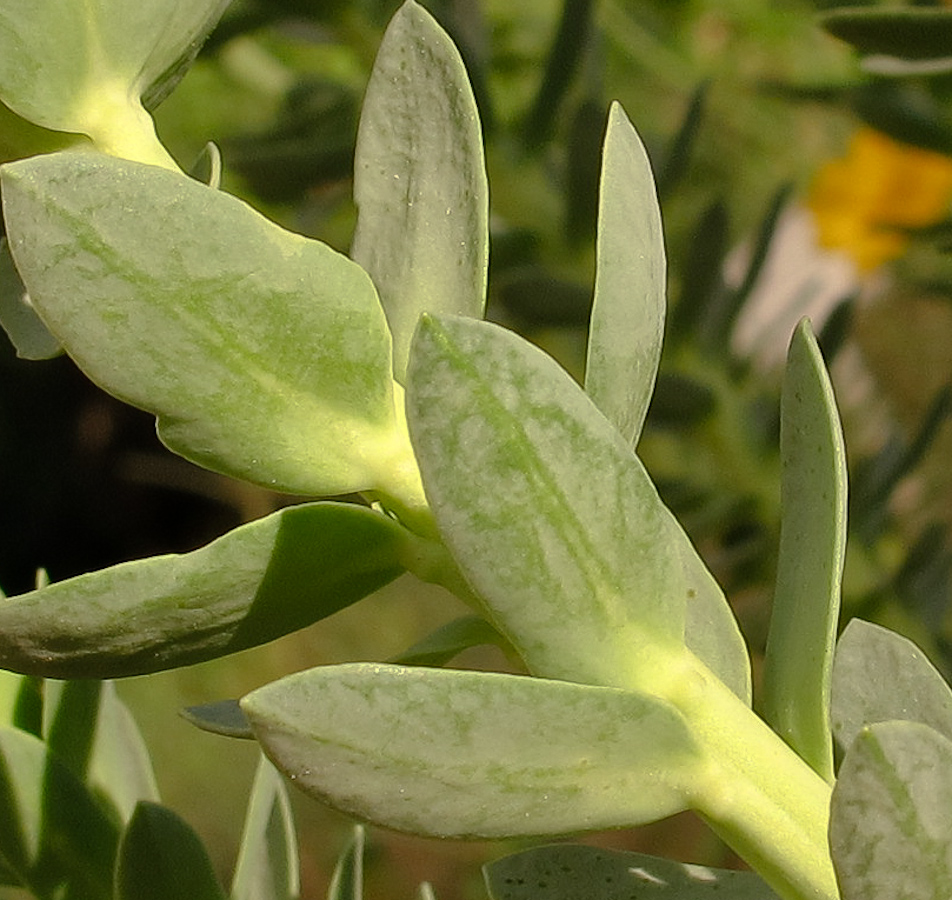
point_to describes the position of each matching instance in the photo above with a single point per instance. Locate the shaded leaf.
(479, 754)
(347, 882)
(222, 717)
(254, 584)
(448, 641)
(29, 336)
(161, 858)
(573, 871)
(420, 181)
(806, 604)
(627, 325)
(907, 32)
(267, 867)
(263, 354)
(878, 676)
(891, 815)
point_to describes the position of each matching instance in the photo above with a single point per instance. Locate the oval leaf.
(263, 354)
(420, 180)
(806, 605)
(878, 676)
(555, 522)
(254, 584)
(627, 325)
(477, 754)
(891, 815)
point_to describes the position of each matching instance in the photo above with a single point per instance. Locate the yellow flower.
(863, 201)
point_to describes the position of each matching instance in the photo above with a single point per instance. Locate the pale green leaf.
(454, 753)
(891, 815)
(448, 641)
(878, 676)
(254, 584)
(554, 521)
(264, 355)
(806, 605)
(627, 324)
(267, 867)
(162, 858)
(574, 871)
(420, 180)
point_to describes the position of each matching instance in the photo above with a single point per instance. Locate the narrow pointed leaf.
(590, 586)
(572, 871)
(627, 324)
(347, 883)
(53, 829)
(267, 867)
(878, 676)
(448, 641)
(70, 718)
(891, 815)
(254, 584)
(222, 717)
(29, 336)
(263, 354)
(420, 180)
(161, 858)
(453, 753)
(806, 606)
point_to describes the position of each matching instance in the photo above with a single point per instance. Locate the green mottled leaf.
(83, 67)
(442, 752)
(891, 815)
(905, 32)
(263, 354)
(573, 871)
(878, 676)
(347, 882)
(53, 829)
(29, 336)
(806, 605)
(420, 180)
(627, 324)
(161, 858)
(590, 587)
(254, 584)
(267, 867)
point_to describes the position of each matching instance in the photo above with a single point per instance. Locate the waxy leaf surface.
(806, 605)
(263, 354)
(441, 752)
(254, 584)
(627, 324)
(891, 815)
(420, 180)
(878, 676)
(573, 871)
(549, 514)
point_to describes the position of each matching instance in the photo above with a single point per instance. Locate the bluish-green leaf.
(222, 717)
(254, 584)
(27, 333)
(263, 354)
(52, 830)
(806, 605)
(420, 180)
(347, 882)
(161, 858)
(627, 325)
(891, 815)
(574, 871)
(878, 676)
(267, 867)
(543, 504)
(442, 752)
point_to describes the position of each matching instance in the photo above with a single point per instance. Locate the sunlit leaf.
(806, 605)
(267, 867)
(254, 584)
(573, 871)
(263, 354)
(627, 323)
(891, 815)
(878, 676)
(420, 180)
(441, 752)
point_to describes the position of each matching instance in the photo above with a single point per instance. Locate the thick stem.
(757, 794)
